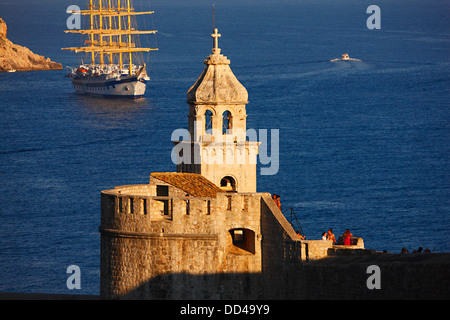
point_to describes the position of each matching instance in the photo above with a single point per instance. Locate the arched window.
(208, 122)
(228, 184)
(227, 121)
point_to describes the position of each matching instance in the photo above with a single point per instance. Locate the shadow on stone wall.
(183, 286)
(411, 276)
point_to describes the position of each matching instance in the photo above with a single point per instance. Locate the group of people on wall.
(326, 235)
(330, 236)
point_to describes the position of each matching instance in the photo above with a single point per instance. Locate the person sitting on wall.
(330, 236)
(276, 199)
(302, 237)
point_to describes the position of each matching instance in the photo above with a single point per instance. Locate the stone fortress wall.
(163, 247)
(191, 244)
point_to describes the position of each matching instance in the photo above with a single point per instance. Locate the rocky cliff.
(15, 57)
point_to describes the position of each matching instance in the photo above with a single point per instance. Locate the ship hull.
(126, 88)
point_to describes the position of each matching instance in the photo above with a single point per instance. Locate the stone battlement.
(153, 207)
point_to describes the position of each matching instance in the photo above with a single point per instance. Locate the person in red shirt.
(347, 237)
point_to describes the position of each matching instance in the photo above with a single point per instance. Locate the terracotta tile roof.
(194, 184)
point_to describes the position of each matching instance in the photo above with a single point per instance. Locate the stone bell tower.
(217, 147)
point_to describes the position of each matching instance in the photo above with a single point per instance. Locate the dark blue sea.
(364, 145)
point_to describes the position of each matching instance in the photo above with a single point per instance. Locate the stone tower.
(217, 147)
(202, 232)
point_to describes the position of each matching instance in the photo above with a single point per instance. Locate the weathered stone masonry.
(194, 247)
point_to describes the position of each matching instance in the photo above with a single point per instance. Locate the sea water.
(363, 145)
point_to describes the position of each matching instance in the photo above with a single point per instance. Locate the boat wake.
(345, 57)
(350, 59)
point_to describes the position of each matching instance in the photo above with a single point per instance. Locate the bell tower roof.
(217, 84)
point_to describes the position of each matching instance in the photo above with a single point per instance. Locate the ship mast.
(100, 21)
(120, 36)
(105, 44)
(91, 7)
(110, 28)
(130, 58)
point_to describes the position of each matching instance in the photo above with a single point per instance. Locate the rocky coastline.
(14, 57)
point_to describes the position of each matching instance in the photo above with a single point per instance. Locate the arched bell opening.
(227, 122)
(228, 184)
(208, 121)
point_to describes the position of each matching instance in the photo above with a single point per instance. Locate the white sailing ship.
(112, 46)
